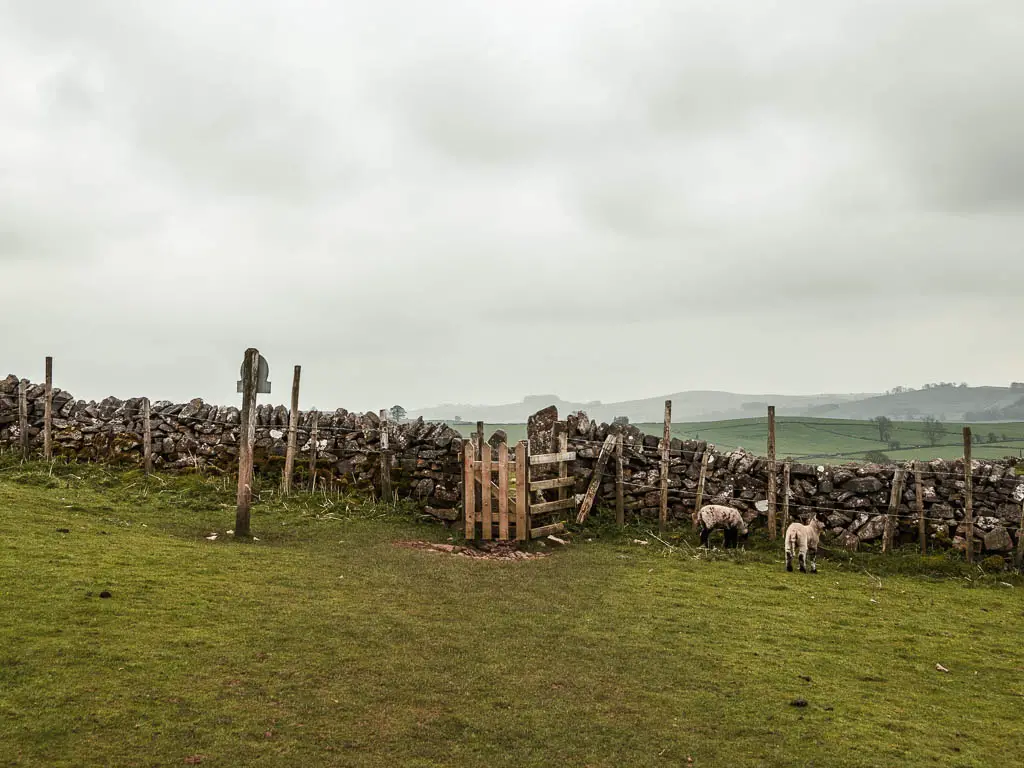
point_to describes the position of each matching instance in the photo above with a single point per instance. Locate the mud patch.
(496, 550)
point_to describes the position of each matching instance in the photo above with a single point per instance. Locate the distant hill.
(946, 403)
(686, 406)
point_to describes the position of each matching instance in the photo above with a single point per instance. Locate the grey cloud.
(383, 191)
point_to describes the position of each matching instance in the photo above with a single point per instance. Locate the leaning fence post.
(771, 472)
(293, 434)
(147, 437)
(894, 508)
(620, 507)
(665, 445)
(48, 412)
(385, 458)
(23, 417)
(700, 484)
(968, 495)
(919, 493)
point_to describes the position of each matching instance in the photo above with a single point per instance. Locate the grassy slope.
(322, 644)
(799, 436)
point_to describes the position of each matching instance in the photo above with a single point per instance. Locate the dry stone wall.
(424, 457)
(426, 465)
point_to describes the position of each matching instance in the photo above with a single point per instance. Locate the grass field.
(322, 643)
(831, 439)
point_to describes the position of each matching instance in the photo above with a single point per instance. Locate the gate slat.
(468, 496)
(522, 492)
(485, 460)
(503, 491)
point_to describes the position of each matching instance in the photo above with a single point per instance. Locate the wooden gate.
(503, 509)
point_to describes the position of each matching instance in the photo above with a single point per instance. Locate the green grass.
(828, 439)
(324, 644)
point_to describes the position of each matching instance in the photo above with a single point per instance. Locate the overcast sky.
(464, 201)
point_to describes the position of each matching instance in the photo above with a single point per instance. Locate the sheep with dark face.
(801, 539)
(728, 519)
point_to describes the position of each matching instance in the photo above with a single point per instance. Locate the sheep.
(730, 520)
(803, 538)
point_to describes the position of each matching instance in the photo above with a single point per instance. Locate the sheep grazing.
(728, 519)
(802, 539)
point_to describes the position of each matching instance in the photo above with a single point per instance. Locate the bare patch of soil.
(484, 550)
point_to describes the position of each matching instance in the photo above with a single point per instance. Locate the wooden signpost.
(254, 381)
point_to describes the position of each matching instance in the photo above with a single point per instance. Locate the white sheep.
(803, 538)
(728, 519)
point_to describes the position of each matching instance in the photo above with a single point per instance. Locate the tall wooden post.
(666, 443)
(968, 495)
(293, 434)
(385, 458)
(620, 507)
(919, 494)
(23, 417)
(699, 500)
(314, 435)
(147, 437)
(785, 496)
(772, 532)
(891, 519)
(48, 412)
(246, 436)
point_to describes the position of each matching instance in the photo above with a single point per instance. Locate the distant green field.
(831, 439)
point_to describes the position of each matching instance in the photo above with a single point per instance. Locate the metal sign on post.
(262, 385)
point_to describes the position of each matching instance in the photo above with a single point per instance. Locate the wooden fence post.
(485, 490)
(919, 493)
(595, 479)
(503, 491)
(785, 496)
(147, 437)
(666, 443)
(23, 417)
(620, 507)
(293, 434)
(699, 499)
(385, 458)
(478, 487)
(469, 488)
(968, 495)
(246, 436)
(314, 434)
(522, 491)
(772, 532)
(891, 519)
(48, 412)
